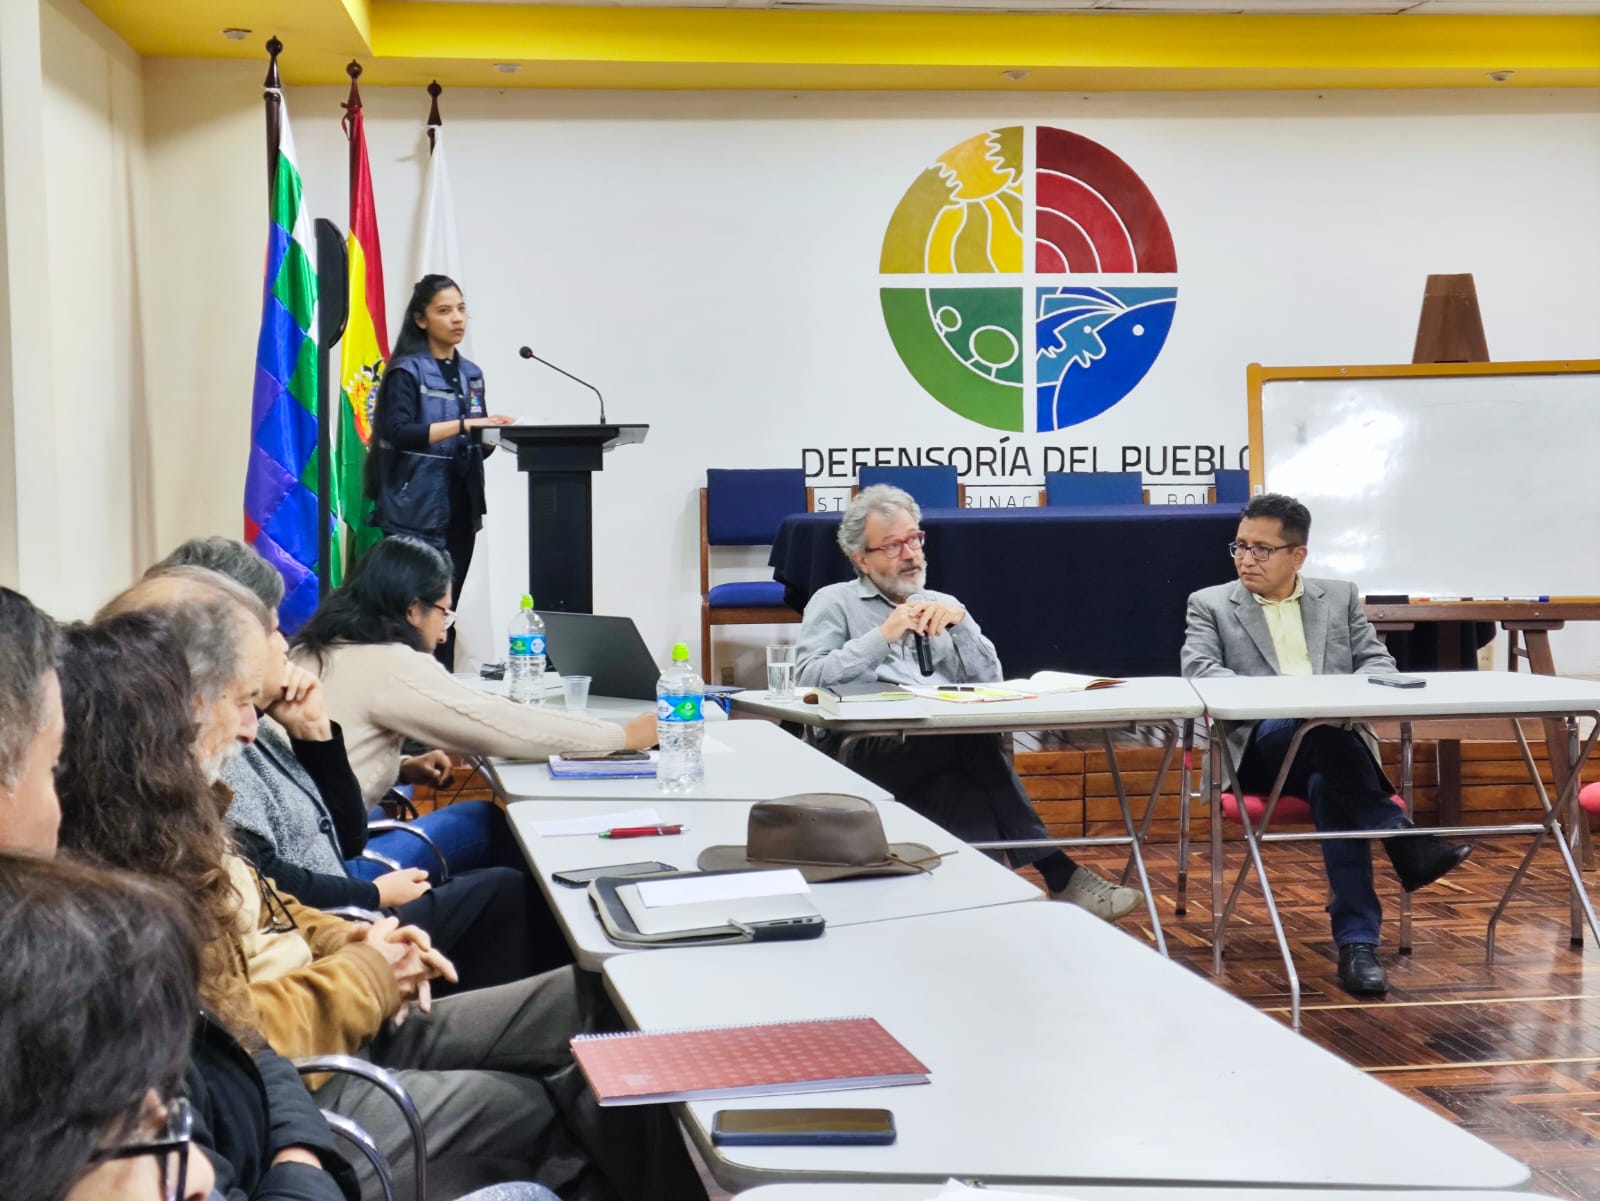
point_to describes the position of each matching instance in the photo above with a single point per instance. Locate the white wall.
(711, 261)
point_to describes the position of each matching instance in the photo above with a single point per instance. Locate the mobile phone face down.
(1398, 681)
(802, 1127)
(607, 757)
(580, 876)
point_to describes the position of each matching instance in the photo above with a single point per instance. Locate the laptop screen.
(607, 649)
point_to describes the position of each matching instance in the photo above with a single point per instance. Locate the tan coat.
(318, 989)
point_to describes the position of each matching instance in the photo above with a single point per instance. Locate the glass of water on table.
(780, 671)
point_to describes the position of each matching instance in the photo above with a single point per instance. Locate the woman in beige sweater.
(372, 642)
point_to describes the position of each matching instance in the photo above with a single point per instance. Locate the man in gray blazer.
(1274, 621)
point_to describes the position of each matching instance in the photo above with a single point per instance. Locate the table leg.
(1542, 662)
(1407, 763)
(1552, 825)
(1253, 848)
(1135, 850)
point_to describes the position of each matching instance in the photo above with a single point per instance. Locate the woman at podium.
(425, 475)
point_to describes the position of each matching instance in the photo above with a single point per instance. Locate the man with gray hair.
(31, 725)
(869, 629)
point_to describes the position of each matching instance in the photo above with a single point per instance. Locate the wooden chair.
(930, 487)
(1093, 488)
(745, 508)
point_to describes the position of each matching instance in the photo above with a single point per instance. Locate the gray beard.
(212, 768)
(898, 588)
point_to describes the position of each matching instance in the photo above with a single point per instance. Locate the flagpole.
(272, 97)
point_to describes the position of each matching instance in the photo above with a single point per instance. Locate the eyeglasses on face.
(449, 614)
(1259, 553)
(171, 1149)
(900, 547)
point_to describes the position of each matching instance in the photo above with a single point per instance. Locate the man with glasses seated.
(868, 629)
(1274, 621)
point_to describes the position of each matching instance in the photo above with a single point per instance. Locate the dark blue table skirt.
(1094, 590)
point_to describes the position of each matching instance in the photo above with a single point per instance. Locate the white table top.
(1447, 694)
(1079, 1192)
(966, 880)
(1146, 699)
(745, 761)
(1171, 1081)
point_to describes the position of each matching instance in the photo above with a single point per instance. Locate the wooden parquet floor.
(1511, 1051)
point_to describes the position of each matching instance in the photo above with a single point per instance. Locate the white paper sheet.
(690, 890)
(599, 824)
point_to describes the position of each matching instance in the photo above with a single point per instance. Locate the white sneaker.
(1098, 895)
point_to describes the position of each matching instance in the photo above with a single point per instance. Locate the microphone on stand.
(527, 353)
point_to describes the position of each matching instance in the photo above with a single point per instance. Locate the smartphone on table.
(802, 1127)
(607, 757)
(579, 876)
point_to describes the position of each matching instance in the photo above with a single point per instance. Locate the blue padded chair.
(930, 487)
(1093, 488)
(745, 508)
(1232, 487)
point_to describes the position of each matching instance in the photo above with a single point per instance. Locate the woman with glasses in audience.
(369, 643)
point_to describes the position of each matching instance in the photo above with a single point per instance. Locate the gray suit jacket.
(1228, 636)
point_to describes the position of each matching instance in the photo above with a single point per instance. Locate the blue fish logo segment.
(1093, 347)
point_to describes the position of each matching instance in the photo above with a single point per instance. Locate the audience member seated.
(490, 1071)
(867, 629)
(296, 815)
(470, 834)
(92, 1049)
(370, 642)
(1274, 621)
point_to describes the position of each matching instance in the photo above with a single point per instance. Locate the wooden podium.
(559, 460)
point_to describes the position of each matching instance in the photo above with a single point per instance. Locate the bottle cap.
(527, 601)
(680, 652)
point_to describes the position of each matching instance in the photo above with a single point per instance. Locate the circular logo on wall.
(970, 217)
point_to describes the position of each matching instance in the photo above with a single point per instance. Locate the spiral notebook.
(647, 1067)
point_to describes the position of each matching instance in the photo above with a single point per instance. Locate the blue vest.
(416, 493)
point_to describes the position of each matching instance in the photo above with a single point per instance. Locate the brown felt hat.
(827, 835)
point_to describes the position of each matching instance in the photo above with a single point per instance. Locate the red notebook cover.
(744, 1061)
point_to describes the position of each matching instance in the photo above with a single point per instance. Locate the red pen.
(641, 831)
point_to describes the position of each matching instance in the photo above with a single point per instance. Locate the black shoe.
(1359, 970)
(1420, 861)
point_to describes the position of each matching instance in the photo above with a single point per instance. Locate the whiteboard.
(1480, 485)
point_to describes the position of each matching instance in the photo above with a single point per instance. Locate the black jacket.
(247, 1108)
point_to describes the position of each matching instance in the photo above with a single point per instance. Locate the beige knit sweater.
(383, 694)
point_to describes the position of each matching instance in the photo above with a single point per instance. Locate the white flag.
(439, 252)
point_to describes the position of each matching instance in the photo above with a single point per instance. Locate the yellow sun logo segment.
(964, 214)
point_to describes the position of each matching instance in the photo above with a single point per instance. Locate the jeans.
(469, 833)
(1335, 772)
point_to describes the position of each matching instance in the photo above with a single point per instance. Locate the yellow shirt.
(1288, 631)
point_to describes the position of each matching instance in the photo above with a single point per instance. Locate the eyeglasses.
(1259, 553)
(900, 547)
(449, 615)
(279, 919)
(171, 1149)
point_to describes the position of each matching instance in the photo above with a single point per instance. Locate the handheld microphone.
(924, 655)
(527, 353)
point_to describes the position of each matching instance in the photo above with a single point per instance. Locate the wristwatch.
(463, 427)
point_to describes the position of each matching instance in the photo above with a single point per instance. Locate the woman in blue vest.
(426, 477)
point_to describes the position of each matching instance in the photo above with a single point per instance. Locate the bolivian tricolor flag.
(363, 352)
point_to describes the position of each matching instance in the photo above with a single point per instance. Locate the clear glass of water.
(780, 672)
(576, 691)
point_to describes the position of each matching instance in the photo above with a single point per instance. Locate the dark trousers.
(459, 539)
(1335, 773)
(963, 782)
(493, 924)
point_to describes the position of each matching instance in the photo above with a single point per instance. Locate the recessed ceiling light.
(1501, 76)
(234, 34)
(507, 68)
(1015, 76)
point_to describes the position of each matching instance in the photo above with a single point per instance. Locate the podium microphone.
(527, 353)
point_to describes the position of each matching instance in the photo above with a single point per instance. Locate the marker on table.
(640, 831)
(1538, 600)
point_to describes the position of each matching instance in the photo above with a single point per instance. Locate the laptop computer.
(608, 650)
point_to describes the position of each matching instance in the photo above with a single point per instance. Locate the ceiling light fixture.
(507, 68)
(234, 34)
(1016, 76)
(1501, 76)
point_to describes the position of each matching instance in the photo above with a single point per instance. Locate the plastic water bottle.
(680, 726)
(525, 656)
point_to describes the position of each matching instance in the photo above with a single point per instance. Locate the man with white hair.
(867, 629)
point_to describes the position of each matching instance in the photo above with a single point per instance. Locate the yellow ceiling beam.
(611, 47)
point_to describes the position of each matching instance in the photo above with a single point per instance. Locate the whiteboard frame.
(1257, 376)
